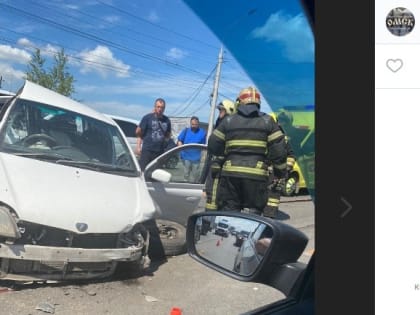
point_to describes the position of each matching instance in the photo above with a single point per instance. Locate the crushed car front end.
(31, 252)
(73, 202)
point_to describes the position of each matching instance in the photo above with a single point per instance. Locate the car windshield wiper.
(96, 166)
(50, 156)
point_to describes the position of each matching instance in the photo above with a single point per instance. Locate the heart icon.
(394, 64)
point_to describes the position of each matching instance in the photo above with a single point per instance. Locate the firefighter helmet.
(249, 95)
(285, 117)
(228, 106)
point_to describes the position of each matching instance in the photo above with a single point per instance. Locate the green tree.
(36, 72)
(62, 80)
(57, 78)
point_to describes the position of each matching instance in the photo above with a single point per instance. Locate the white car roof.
(34, 92)
(123, 118)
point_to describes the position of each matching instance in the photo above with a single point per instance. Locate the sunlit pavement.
(299, 211)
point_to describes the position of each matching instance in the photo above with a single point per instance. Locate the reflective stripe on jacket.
(249, 143)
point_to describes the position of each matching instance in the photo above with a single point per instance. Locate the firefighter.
(285, 121)
(275, 186)
(225, 107)
(249, 142)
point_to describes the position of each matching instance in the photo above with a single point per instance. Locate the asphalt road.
(179, 282)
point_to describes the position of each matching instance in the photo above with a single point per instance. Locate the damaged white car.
(73, 202)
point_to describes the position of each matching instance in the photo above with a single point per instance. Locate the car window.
(56, 135)
(128, 128)
(173, 163)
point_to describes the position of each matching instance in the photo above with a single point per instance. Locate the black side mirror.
(257, 246)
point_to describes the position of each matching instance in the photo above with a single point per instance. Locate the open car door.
(178, 198)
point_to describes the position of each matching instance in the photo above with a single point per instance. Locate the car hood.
(63, 197)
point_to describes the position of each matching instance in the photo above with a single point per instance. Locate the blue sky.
(125, 54)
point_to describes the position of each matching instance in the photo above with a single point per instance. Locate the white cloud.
(293, 32)
(50, 50)
(14, 54)
(176, 53)
(153, 17)
(112, 18)
(101, 60)
(24, 42)
(12, 78)
(71, 6)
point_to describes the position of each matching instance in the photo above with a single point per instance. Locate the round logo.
(400, 21)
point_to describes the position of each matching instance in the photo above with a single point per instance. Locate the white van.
(128, 127)
(72, 205)
(222, 228)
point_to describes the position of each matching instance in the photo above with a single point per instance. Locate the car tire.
(173, 237)
(290, 186)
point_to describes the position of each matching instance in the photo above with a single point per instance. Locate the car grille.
(47, 236)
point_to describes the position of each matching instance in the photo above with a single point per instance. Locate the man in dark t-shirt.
(152, 132)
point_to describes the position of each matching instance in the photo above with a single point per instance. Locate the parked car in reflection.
(240, 237)
(252, 249)
(222, 228)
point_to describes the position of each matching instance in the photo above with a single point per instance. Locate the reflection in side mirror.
(236, 244)
(161, 175)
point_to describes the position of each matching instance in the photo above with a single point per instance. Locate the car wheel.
(290, 186)
(173, 237)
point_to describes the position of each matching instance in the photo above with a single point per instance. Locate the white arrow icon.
(349, 207)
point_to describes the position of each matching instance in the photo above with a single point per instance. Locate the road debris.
(46, 307)
(149, 298)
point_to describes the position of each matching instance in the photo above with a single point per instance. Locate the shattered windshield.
(56, 135)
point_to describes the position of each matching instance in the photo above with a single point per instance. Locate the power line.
(100, 40)
(120, 34)
(122, 47)
(194, 95)
(156, 25)
(199, 107)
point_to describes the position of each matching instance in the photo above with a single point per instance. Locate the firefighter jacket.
(250, 142)
(291, 158)
(217, 161)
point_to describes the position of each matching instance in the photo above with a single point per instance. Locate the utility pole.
(215, 94)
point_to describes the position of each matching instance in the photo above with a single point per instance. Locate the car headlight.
(8, 227)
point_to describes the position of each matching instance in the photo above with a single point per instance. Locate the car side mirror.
(256, 247)
(161, 175)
